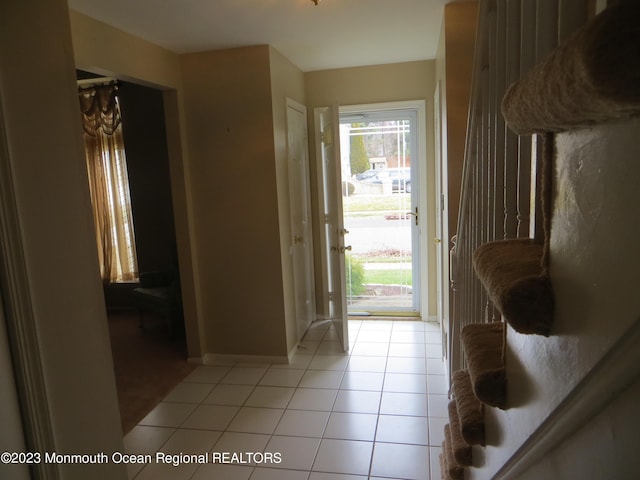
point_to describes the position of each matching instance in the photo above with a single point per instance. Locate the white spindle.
(512, 73)
(501, 181)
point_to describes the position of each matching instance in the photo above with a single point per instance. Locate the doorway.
(141, 343)
(380, 163)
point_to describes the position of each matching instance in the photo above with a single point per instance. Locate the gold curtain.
(109, 183)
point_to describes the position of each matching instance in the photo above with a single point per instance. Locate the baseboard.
(232, 359)
(293, 353)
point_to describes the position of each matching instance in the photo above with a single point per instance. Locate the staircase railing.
(500, 196)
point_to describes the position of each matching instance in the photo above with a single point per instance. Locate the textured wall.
(594, 265)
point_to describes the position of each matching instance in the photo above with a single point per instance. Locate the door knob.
(437, 240)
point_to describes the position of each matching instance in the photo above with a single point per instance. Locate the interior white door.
(333, 235)
(300, 210)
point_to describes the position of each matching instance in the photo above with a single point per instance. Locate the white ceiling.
(333, 34)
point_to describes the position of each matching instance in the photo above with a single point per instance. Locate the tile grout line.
(307, 368)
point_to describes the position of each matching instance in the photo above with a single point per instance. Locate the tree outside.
(358, 159)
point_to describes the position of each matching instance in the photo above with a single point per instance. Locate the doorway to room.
(146, 338)
(379, 161)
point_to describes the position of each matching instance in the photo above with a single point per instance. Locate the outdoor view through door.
(380, 198)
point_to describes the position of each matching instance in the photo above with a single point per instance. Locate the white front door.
(333, 234)
(300, 210)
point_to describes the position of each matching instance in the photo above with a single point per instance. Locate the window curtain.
(109, 183)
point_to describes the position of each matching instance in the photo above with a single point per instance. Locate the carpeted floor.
(147, 364)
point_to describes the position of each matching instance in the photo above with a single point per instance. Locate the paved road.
(371, 234)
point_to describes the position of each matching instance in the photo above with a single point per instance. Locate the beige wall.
(376, 84)
(373, 84)
(62, 287)
(103, 49)
(228, 106)
(287, 81)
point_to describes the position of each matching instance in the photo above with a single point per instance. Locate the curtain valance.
(99, 108)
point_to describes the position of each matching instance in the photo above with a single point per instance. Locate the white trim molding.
(20, 321)
(231, 359)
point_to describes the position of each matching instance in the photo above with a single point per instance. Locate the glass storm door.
(379, 167)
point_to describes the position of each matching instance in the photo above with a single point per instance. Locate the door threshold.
(394, 318)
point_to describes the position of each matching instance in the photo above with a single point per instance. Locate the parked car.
(366, 174)
(400, 178)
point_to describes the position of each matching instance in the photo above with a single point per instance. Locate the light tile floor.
(375, 412)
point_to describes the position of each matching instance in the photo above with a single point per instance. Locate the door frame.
(424, 225)
(24, 403)
(53, 304)
(301, 235)
(441, 238)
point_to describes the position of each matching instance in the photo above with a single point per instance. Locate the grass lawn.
(387, 277)
(384, 258)
(370, 204)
